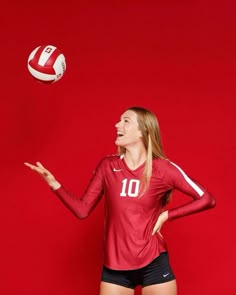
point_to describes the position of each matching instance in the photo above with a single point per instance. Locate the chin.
(117, 143)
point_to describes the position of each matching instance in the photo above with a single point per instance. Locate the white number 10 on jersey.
(130, 188)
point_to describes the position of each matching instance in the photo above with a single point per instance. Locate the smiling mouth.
(120, 134)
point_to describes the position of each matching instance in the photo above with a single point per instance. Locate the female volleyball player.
(136, 185)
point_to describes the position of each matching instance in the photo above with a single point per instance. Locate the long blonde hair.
(149, 127)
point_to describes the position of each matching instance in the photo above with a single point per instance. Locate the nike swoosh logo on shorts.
(165, 275)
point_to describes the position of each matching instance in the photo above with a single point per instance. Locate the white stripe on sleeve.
(190, 182)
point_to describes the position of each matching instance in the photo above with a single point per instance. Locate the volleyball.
(47, 64)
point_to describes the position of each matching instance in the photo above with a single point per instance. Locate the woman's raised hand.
(46, 175)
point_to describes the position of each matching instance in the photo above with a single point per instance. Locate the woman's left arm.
(201, 198)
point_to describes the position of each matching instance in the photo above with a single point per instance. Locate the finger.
(160, 233)
(155, 229)
(43, 170)
(36, 169)
(29, 165)
(40, 165)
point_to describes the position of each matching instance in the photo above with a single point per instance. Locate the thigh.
(108, 289)
(168, 288)
(158, 271)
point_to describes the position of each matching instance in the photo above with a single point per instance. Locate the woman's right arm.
(80, 207)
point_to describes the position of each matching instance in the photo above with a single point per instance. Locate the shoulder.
(109, 159)
(164, 163)
(160, 163)
(164, 167)
(107, 163)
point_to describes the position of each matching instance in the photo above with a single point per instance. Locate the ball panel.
(38, 54)
(32, 54)
(60, 66)
(42, 76)
(46, 70)
(52, 58)
(45, 53)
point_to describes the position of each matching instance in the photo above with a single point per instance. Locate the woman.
(136, 185)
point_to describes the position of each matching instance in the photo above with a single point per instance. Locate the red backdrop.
(176, 58)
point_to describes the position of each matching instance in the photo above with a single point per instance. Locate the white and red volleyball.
(47, 64)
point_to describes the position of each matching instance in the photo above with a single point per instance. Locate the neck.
(135, 158)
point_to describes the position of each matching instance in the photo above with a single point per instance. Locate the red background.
(176, 58)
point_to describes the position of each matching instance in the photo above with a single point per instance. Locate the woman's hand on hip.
(162, 218)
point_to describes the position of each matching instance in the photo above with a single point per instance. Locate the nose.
(117, 124)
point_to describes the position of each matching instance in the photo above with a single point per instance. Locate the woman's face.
(128, 133)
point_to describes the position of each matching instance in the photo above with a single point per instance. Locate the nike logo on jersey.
(117, 170)
(165, 275)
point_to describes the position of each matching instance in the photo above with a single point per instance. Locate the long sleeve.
(83, 206)
(202, 199)
(206, 201)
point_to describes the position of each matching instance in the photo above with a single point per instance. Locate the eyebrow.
(125, 118)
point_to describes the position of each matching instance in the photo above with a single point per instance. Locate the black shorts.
(157, 272)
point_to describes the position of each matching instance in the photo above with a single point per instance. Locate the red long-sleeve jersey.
(129, 217)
